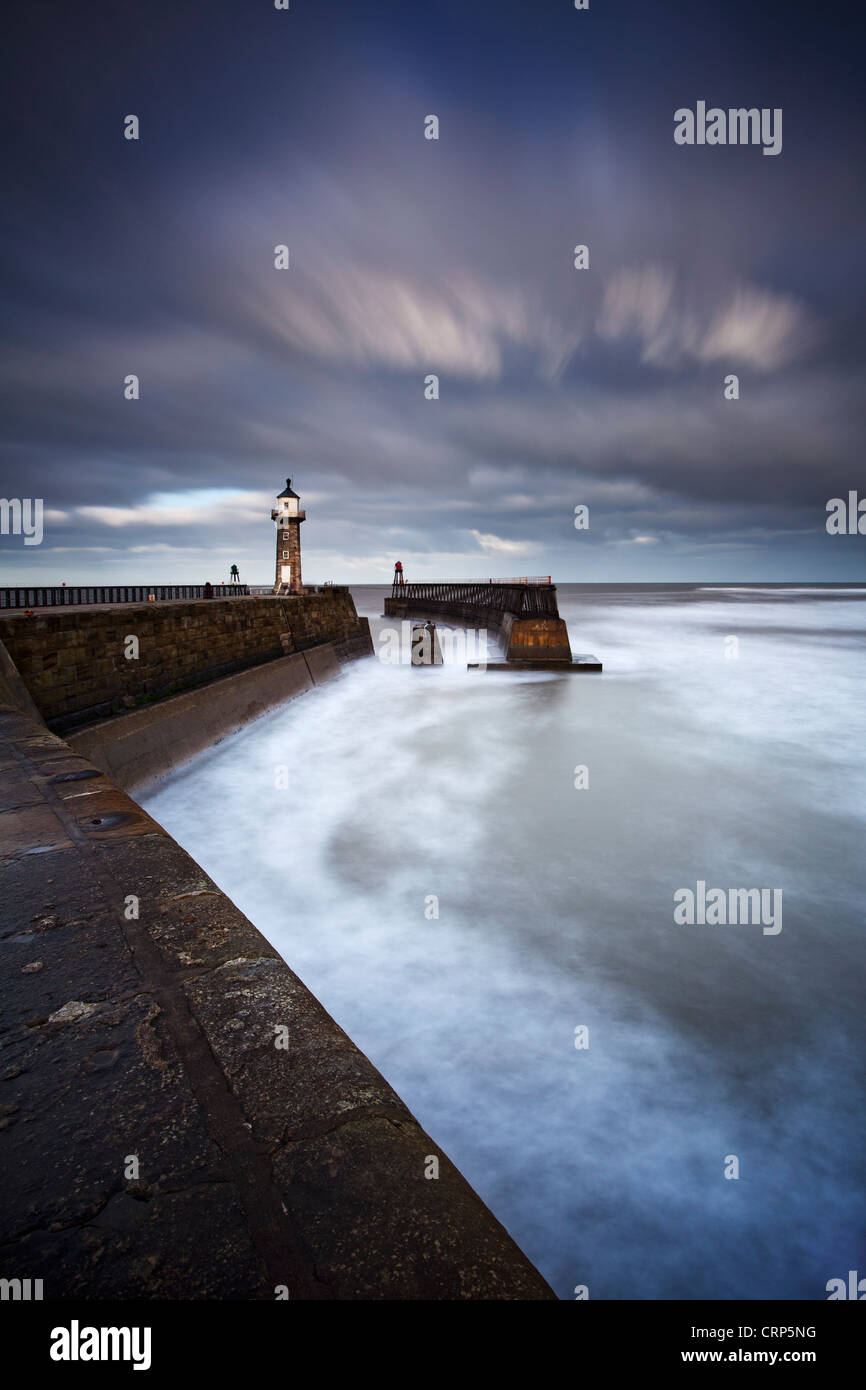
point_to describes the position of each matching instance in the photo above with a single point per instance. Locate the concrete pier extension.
(537, 639)
(524, 614)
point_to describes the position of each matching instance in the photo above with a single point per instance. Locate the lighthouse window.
(285, 555)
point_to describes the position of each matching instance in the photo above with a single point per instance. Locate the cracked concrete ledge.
(157, 1141)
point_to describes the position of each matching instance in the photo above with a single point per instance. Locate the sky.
(601, 387)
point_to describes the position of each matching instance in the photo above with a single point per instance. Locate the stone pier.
(179, 1116)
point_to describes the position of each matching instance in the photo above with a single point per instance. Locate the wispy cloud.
(499, 546)
(751, 327)
(184, 508)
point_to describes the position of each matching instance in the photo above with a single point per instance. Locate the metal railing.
(268, 590)
(525, 598)
(75, 594)
(519, 579)
(524, 579)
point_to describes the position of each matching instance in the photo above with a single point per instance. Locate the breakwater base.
(181, 1118)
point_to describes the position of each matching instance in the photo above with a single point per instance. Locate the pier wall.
(146, 745)
(74, 662)
(524, 639)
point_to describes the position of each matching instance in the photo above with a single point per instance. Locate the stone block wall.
(73, 661)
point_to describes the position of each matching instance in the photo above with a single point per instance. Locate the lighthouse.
(288, 516)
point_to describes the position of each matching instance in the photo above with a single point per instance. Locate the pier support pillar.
(538, 639)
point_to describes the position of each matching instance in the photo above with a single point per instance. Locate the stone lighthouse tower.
(288, 517)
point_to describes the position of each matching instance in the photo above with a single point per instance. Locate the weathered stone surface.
(243, 1007)
(190, 922)
(151, 1247)
(30, 830)
(377, 1228)
(538, 639)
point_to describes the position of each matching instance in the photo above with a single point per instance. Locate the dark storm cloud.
(409, 257)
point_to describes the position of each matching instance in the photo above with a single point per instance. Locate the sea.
(478, 872)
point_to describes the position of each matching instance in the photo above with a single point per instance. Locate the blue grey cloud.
(411, 257)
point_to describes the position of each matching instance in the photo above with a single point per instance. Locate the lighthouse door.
(286, 574)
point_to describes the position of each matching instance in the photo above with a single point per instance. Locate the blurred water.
(556, 910)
